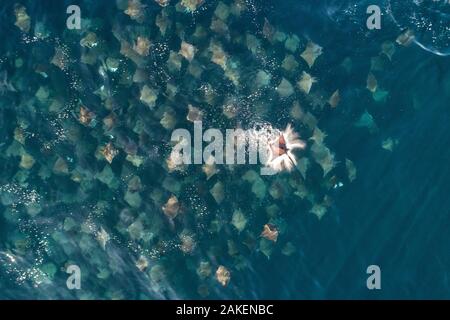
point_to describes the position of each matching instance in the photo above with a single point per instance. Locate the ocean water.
(373, 191)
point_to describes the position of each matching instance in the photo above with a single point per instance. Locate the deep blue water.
(395, 214)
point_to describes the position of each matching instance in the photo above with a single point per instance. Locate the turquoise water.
(63, 203)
